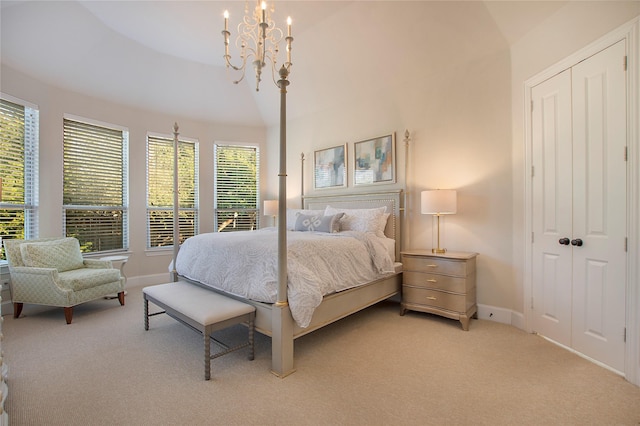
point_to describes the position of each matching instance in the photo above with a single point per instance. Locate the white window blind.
(160, 190)
(18, 170)
(95, 185)
(236, 186)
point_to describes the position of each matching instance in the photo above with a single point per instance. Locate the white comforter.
(246, 264)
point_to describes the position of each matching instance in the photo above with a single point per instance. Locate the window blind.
(160, 170)
(18, 171)
(95, 185)
(236, 187)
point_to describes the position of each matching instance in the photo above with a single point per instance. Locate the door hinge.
(625, 63)
(532, 238)
(532, 303)
(626, 153)
(531, 105)
(626, 241)
(533, 171)
(624, 337)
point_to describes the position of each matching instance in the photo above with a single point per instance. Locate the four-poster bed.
(275, 319)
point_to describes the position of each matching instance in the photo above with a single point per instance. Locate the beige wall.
(570, 29)
(445, 76)
(53, 103)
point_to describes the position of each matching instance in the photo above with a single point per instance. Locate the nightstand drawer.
(449, 301)
(437, 265)
(438, 282)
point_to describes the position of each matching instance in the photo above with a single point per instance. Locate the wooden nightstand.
(442, 284)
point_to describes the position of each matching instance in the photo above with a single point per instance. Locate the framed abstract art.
(330, 167)
(374, 161)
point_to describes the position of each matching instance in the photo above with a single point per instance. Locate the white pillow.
(363, 220)
(292, 216)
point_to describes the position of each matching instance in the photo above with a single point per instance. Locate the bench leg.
(207, 352)
(146, 314)
(251, 329)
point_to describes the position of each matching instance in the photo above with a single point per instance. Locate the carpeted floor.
(373, 368)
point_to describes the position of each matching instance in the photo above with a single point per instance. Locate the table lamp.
(438, 202)
(271, 209)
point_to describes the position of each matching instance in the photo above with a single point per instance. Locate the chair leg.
(17, 309)
(68, 314)
(121, 298)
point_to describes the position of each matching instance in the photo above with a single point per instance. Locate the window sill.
(163, 251)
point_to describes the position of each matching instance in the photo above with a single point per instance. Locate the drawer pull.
(431, 280)
(431, 298)
(432, 265)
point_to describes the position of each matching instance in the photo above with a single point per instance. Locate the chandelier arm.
(258, 37)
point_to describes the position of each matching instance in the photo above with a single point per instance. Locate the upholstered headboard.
(366, 200)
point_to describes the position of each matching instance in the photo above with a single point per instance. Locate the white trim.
(495, 314)
(631, 34)
(93, 122)
(18, 101)
(170, 137)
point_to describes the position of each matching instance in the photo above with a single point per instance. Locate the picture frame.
(330, 167)
(374, 161)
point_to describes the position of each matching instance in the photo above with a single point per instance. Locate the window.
(236, 187)
(160, 190)
(18, 170)
(95, 185)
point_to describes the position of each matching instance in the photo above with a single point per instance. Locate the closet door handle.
(576, 242)
(564, 241)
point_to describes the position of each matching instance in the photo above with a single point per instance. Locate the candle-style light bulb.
(264, 8)
(289, 26)
(226, 20)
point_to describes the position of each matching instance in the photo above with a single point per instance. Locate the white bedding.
(246, 264)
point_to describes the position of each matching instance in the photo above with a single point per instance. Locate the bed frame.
(276, 321)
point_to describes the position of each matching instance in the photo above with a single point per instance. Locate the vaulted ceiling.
(167, 56)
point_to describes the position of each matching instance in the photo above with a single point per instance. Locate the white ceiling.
(167, 55)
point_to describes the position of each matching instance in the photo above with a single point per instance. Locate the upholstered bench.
(203, 310)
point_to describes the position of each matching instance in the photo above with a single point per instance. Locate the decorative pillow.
(363, 220)
(318, 223)
(292, 216)
(63, 254)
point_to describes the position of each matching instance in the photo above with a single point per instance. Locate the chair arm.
(28, 270)
(38, 285)
(97, 264)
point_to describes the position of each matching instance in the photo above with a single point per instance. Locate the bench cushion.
(201, 305)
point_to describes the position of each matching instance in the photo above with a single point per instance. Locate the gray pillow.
(318, 223)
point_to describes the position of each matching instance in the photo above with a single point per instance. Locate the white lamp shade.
(271, 207)
(438, 201)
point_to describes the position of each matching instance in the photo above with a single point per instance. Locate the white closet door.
(599, 206)
(579, 207)
(552, 206)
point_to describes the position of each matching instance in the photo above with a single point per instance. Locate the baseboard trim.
(501, 315)
(146, 280)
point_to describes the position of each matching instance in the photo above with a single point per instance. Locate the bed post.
(176, 205)
(282, 324)
(302, 180)
(281, 341)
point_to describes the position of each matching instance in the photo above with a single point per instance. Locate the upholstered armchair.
(52, 272)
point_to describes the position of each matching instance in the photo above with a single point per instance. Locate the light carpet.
(372, 368)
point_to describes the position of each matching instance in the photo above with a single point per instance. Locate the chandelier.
(258, 38)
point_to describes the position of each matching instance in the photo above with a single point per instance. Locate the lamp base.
(438, 250)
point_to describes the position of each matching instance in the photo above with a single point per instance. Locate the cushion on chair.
(81, 279)
(63, 254)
